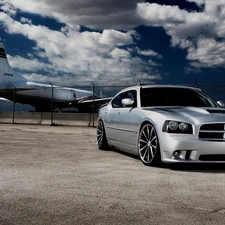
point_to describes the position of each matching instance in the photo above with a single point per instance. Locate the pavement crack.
(220, 211)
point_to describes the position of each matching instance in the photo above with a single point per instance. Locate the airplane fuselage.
(17, 88)
(41, 96)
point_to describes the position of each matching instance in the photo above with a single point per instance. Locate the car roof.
(160, 86)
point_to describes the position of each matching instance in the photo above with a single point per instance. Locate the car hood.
(191, 113)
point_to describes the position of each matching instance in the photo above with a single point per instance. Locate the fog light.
(176, 154)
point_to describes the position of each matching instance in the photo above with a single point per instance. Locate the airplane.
(43, 97)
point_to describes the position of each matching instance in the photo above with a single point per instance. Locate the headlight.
(171, 126)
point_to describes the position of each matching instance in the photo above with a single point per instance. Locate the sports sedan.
(164, 123)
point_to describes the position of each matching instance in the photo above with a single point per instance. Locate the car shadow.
(198, 167)
(185, 167)
(126, 154)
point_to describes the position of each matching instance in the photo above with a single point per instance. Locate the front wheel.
(148, 146)
(101, 136)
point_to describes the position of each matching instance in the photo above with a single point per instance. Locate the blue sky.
(114, 42)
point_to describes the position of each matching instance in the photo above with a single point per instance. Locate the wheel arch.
(146, 121)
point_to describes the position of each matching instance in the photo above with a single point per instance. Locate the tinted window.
(175, 97)
(117, 101)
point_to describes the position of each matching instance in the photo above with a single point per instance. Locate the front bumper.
(191, 149)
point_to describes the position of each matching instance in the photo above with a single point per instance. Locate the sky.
(115, 43)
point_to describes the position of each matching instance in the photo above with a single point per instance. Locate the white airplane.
(43, 97)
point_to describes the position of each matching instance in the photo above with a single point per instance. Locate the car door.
(111, 117)
(126, 120)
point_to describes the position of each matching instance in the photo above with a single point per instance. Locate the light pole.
(52, 103)
(93, 104)
(14, 102)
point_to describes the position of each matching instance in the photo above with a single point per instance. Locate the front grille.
(212, 131)
(214, 158)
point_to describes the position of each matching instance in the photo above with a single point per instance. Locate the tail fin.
(8, 76)
(2, 51)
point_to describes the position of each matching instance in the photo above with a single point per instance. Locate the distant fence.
(47, 118)
(16, 114)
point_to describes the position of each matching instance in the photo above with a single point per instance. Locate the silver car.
(164, 123)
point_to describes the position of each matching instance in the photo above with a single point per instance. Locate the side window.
(117, 101)
(133, 95)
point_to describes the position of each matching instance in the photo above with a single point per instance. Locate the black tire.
(101, 136)
(148, 146)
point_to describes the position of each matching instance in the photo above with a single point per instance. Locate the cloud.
(209, 53)
(198, 2)
(158, 15)
(71, 55)
(119, 53)
(201, 33)
(98, 14)
(115, 38)
(28, 64)
(8, 8)
(148, 53)
(25, 20)
(152, 63)
(108, 53)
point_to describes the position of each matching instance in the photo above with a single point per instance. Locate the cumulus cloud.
(8, 8)
(28, 64)
(25, 20)
(107, 53)
(119, 53)
(148, 53)
(115, 38)
(107, 14)
(209, 52)
(201, 33)
(70, 54)
(152, 63)
(158, 15)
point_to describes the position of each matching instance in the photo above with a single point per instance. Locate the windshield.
(175, 97)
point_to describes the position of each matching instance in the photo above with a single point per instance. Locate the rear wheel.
(148, 145)
(101, 136)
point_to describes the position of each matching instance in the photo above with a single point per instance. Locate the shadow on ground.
(190, 167)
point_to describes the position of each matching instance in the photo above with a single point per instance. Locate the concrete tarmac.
(56, 175)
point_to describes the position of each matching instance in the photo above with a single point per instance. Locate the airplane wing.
(4, 99)
(88, 104)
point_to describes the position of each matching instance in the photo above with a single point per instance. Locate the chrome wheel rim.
(148, 143)
(100, 133)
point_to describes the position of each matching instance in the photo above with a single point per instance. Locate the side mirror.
(127, 102)
(221, 104)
